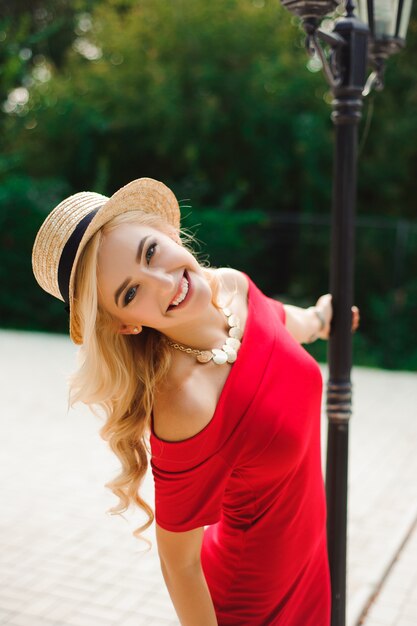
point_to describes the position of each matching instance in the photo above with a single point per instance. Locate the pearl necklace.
(227, 353)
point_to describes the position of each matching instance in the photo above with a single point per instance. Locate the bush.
(24, 204)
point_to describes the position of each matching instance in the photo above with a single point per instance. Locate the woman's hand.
(325, 309)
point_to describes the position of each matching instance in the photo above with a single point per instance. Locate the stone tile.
(23, 619)
(128, 601)
(131, 619)
(394, 597)
(6, 615)
(75, 594)
(83, 619)
(384, 613)
(41, 604)
(102, 612)
(9, 604)
(147, 620)
(61, 610)
(409, 610)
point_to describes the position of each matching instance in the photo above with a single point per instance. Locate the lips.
(182, 292)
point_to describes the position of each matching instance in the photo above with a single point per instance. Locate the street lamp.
(388, 23)
(351, 46)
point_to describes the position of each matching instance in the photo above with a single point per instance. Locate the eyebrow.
(120, 289)
(140, 248)
(127, 281)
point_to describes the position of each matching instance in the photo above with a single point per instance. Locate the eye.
(129, 295)
(150, 252)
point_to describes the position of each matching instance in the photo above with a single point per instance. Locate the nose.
(161, 280)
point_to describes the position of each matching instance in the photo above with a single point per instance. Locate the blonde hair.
(118, 374)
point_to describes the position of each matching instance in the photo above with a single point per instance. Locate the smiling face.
(147, 279)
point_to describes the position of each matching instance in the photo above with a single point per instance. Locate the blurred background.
(213, 98)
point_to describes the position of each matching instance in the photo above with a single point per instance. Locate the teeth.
(183, 292)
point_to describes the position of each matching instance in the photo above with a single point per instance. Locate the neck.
(209, 331)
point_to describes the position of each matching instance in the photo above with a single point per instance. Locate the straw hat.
(67, 229)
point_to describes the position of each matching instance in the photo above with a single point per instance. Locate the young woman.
(201, 365)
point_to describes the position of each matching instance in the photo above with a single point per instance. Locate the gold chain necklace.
(227, 353)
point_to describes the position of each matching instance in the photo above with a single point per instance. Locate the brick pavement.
(64, 562)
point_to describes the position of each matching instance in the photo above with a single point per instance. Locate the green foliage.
(392, 338)
(388, 161)
(206, 94)
(24, 205)
(230, 235)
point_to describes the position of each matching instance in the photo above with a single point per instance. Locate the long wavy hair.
(118, 374)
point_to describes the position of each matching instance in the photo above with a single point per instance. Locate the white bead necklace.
(227, 353)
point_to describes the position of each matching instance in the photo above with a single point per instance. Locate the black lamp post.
(384, 28)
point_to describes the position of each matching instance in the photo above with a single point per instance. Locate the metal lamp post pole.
(347, 106)
(345, 71)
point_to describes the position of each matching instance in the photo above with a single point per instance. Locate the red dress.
(253, 476)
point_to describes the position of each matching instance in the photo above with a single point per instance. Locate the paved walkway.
(64, 562)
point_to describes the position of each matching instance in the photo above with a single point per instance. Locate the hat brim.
(145, 194)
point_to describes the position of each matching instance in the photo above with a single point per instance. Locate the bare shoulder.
(233, 280)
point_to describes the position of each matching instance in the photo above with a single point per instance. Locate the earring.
(135, 330)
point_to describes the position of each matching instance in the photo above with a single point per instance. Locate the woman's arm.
(179, 553)
(307, 325)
